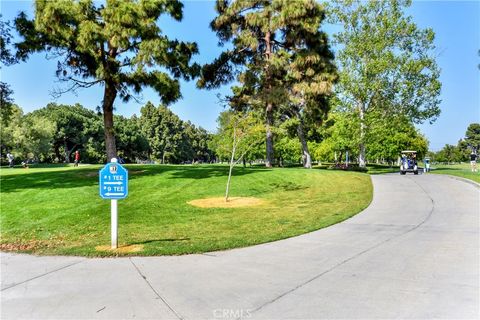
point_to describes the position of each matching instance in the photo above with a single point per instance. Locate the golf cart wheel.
(415, 172)
(403, 172)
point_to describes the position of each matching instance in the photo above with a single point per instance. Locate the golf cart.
(408, 162)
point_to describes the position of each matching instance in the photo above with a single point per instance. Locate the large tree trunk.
(109, 96)
(269, 107)
(361, 157)
(56, 150)
(66, 154)
(269, 136)
(69, 152)
(232, 164)
(306, 158)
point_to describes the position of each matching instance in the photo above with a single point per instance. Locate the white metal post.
(114, 227)
(114, 219)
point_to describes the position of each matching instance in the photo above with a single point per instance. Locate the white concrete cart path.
(414, 253)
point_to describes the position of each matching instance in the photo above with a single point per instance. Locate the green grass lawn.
(57, 210)
(459, 170)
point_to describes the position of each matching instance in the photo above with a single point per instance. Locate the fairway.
(57, 210)
(460, 170)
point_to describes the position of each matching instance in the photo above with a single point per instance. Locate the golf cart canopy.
(409, 151)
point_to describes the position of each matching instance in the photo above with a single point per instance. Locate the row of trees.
(55, 132)
(331, 142)
(387, 78)
(386, 81)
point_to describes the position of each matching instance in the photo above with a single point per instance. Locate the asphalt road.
(414, 253)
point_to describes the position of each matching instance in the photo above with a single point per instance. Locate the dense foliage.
(386, 138)
(387, 64)
(115, 43)
(53, 133)
(280, 58)
(172, 140)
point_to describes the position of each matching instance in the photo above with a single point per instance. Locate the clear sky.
(456, 24)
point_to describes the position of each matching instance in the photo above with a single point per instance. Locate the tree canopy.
(170, 139)
(278, 55)
(117, 44)
(386, 63)
(472, 137)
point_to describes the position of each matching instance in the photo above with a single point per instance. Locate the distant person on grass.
(473, 161)
(77, 158)
(427, 165)
(10, 158)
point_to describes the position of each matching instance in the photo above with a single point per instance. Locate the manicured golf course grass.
(57, 210)
(460, 170)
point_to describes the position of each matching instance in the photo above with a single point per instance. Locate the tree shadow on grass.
(205, 172)
(85, 177)
(160, 240)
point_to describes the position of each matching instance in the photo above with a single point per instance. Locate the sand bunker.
(121, 249)
(233, 202)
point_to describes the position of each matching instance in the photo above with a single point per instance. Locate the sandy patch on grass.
(121, 249)
(233, 202)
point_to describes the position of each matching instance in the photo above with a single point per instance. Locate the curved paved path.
(414, 253)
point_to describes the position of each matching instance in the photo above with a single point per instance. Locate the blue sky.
(456, 24)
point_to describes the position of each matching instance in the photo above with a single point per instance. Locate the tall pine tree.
(278, 53)
(117, 45)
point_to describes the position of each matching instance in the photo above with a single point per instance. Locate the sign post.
(114, 223)
(113, 186)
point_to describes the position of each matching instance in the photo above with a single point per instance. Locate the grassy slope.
(459, 170)
(58, 210)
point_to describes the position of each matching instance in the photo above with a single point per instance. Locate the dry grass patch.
(233, 202)
(122, 249)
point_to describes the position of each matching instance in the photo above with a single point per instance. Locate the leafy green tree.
(248, 127)
(131, 143)
(7, 110)
(28, 136)
(164, 132)
(6, 102)
(341, 136)
(9, 122)
(388, 136)
(238, 133)
(6, 55)
(472, 137)
(322, 151)
(35, 136)
(195, 143)
(278, 52)
(169, 138)
(297, 124)
(448, 154)
(116, 44)
(386, 63)
(72, 127)
(288, 150)
(94, 146)
(464, 150)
